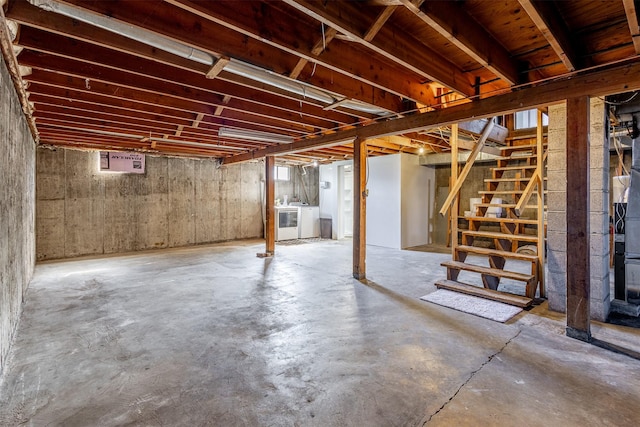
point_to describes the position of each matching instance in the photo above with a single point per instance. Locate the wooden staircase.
(516, 179)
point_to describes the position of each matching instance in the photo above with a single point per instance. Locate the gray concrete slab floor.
(214, 335)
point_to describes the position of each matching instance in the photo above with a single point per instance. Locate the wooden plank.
(479, 250)
(454, 23)
(578, 265)
(382, 18)
(359, 209)
(503, 236)
(515, 168)
(270, 211)
(496, 272)
(599, 81)
(518, 179)
(541, 155)
(291, 37)
(454, 211)
(546, 17)
(459, 180)
(507, 220)
(217, 67)
(634, 26)
(395, 45)
(511, 299)
(523, 203)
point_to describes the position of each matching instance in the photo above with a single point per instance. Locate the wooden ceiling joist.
(634, 25)
(221, 38)
(451, 21)
(547, 20)
(400, 48)
(599, 82)
(157, 77)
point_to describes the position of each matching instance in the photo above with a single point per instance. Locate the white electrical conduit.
(236, 67)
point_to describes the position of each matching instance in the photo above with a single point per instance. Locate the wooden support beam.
(453, 22)
(198, 119)
(382, 18)
(395, 45)
(459, 180)
(270, 211)
(578, 265)
(453, 213)
(540, 157)
(546, 17)
(359, 208)
(528, 192)
(634, 25)
(598, 82)
(217, 67)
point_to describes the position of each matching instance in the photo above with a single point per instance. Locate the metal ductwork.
(236, 67)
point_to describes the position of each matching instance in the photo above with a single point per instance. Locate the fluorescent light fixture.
(250, 135)
(236, 67)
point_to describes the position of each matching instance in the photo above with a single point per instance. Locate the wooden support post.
(359, 208)
(453, 213)
(578, 250)
(541, 229)
(270, 193)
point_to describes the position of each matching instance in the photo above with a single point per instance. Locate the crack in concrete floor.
(471, 375)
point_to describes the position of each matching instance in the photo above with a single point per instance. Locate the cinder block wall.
(177, 202)
(17, 208)
(557, 251)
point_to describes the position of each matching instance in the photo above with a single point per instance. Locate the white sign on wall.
(111, 161)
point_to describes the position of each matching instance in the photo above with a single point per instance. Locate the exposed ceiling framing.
(95, 75)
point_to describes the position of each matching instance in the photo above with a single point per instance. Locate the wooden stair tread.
(508, 220)
(510, 168)
(511, 299)
(495, 235)
(520, 147)
(522, 179)
(518, 155)
(513, 275)
(495, 252)
(507, 192)
(504, 205)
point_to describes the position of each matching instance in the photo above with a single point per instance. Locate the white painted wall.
(384, 202)
(417, 201)
(400, 205)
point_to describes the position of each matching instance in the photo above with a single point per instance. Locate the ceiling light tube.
(250, 135)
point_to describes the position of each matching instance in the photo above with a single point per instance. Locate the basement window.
(529, 119)
(281, 173)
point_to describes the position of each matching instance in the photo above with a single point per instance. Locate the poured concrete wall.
(17, 205)
(177, 202)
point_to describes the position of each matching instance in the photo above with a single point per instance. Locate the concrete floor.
(214, 335)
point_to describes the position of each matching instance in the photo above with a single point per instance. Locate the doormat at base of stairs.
(482, 307)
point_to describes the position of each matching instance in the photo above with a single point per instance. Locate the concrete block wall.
(17, 210)
(177, 202)
(556, 270)
(599, 158)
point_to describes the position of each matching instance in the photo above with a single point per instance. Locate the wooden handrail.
(467, 167)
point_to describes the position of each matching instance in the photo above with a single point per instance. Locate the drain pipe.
(236, 67)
